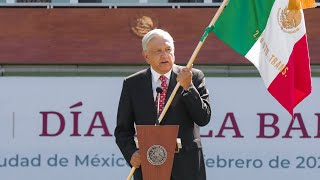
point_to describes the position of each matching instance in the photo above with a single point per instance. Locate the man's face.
(159, 54)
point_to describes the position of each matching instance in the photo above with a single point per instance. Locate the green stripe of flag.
(242, 22)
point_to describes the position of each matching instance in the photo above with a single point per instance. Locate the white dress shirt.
(156, 82)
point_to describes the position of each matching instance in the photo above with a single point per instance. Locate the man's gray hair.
(156, 32)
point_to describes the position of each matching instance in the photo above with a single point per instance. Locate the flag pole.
(194, 55)
(189, 65)
(131, 173)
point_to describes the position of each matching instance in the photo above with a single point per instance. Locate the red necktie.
(163, 94)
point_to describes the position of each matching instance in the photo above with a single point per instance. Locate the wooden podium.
(157, 147)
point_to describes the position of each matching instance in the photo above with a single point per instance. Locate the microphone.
(159, 91)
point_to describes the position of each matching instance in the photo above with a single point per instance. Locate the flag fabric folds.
(274, 39)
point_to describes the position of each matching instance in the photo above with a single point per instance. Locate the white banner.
(62, 128)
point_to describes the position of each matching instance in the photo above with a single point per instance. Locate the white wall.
(24, 154)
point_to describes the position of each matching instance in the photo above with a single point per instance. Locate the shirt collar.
(156, 75)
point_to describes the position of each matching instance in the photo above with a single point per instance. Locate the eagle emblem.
(142, 25)
(289, 20)
(156, 155)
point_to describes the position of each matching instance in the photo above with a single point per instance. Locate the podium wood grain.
(165, 136)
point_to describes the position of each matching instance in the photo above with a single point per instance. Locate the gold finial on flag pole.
(301, 4)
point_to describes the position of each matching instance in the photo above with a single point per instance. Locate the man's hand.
(135, 159)
(185, 78)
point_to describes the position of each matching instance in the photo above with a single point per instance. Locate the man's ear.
(145, 55)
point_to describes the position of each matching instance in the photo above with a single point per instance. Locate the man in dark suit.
(189, 109)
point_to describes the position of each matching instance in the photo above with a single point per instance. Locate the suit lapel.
(148, 94)
(172, 85)
(172, 82)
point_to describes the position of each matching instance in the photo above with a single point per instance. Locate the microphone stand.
(159, 91)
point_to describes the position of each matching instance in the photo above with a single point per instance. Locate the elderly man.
(189, 109)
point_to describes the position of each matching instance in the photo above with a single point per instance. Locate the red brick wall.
(104, 36)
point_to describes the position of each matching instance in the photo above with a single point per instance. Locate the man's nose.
(164, 54)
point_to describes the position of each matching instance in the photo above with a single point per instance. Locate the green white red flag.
(274, 39)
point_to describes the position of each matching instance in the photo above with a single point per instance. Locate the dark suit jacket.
(137, 106)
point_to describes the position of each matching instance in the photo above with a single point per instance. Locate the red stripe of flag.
(290, 89)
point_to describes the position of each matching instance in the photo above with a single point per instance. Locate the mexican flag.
(274, 39)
